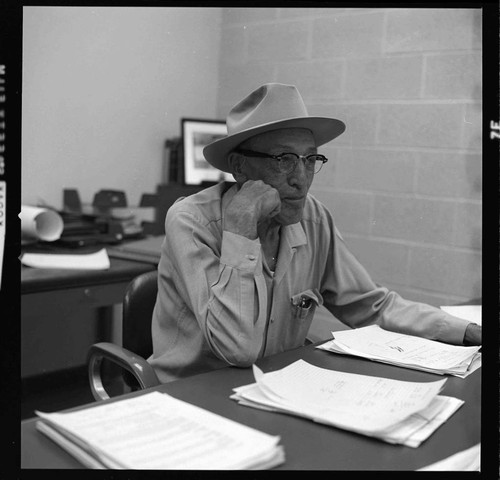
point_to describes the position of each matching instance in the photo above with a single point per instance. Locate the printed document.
(358, 401)
(375, 343)
(392, 410)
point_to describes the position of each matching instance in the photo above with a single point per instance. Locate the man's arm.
(352, 296)
(220, 281)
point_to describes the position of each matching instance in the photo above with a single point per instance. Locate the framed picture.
(196, 134)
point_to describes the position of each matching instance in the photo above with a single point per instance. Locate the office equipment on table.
(112, 204)
(467, 312)
(150, 214)
(391, 410)
(116, 214)
(407, 351)
(138, 305)
(88, 225)
(106, 198)
(83, 230)
(157, 431)
(84, 261)
(308, 445)
(109, 219)
(145, 250)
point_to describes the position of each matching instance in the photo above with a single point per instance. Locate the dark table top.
(308, 445)
(45, 279)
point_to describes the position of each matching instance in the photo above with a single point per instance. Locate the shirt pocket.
(305, 303)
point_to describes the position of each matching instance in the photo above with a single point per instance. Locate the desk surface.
(45, 279)
(308, 445)
(74, 304)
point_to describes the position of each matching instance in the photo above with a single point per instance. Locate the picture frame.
(196, 134)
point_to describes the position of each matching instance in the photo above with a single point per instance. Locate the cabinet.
(64, 311)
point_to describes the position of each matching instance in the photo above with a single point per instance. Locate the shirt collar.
(295, 235)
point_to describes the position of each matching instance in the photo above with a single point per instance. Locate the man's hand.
(473, 335)
(254, 203)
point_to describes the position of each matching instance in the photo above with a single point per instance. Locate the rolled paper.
(40, 223)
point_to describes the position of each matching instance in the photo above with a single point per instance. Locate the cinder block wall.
(404, 180)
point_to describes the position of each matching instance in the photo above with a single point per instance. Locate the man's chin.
(288, 218)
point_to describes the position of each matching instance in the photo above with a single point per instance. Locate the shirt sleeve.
(352, 296)
(221, 282)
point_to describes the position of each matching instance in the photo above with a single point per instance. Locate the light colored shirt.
(219, 304)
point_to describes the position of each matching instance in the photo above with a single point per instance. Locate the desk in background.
(308, 445)
(64, 311)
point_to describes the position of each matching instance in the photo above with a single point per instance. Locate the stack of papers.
(156, 431)
(406, 351)
(394, 411)
(85, 261)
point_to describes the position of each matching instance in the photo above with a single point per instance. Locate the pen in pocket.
(305, 302)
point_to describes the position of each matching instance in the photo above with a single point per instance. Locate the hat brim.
(323, 129)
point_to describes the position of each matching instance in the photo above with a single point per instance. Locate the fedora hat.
(271, 107)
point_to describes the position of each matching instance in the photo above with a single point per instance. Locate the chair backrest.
(138, 305)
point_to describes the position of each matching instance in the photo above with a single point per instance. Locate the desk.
(58, 312)
(308, 446)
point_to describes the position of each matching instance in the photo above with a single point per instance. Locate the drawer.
(58, 327)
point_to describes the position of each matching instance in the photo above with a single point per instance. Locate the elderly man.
(245, 265)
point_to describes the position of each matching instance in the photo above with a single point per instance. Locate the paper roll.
(40, 223)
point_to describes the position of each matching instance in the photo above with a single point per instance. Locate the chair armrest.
(135, 364)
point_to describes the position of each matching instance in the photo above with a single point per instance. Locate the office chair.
(138, 304)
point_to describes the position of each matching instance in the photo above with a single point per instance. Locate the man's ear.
(237, 165)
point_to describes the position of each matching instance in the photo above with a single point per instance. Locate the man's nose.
(299, 177)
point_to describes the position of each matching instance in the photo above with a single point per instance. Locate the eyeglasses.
(287, 162)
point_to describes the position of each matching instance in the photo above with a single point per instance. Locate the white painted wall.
(102, 90)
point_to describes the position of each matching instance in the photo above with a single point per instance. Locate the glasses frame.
(253, 153)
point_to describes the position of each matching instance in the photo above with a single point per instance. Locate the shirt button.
(251, 257)
(272, 320)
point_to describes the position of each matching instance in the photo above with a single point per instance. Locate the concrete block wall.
(404, 181)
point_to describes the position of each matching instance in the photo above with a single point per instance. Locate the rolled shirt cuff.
(453, 330)
(240, 252)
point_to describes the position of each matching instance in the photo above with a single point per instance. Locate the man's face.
(292, 187)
